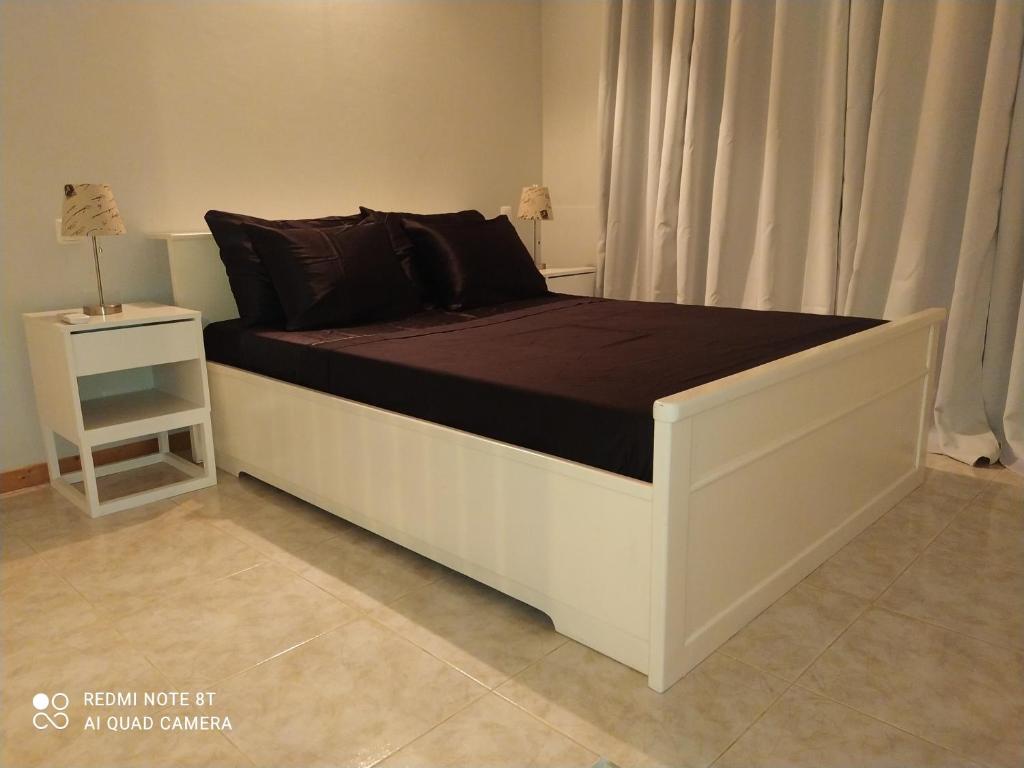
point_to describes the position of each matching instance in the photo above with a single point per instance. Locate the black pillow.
(250, 282)
(405, 248)
(329, 277)
(394, 219)
(473, 264)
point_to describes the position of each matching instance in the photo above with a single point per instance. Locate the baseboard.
(37, 474)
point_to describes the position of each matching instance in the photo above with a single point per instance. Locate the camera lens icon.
(43, 718)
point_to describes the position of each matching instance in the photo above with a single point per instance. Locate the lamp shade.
(90, 209)
(535, 203)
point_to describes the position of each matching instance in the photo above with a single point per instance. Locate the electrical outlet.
(61, 239)
(506, 210)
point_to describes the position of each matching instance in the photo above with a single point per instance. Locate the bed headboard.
(198, 280)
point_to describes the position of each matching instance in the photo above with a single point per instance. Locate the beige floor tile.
(30, 503)
(926, 511)
(230, 483)
(955, 691)
(1009, 498)
(349, 698)
(365, 570)
(36, 515)
(871, 562)
(609, 709)
(996, 513)
(95, 659)
(494, 733)
(971, 578)
(40, 606)
(154, 748)
(135, 480)
(921, 516)
(482, 632)
(153, 559)
(46, 520)
(281, 528)
(787, 637)
(231, 624)
(18, 559)
(986, 535)
(866, 566)
(248, 488)
(802, 730)
(953, 484)
(994, 474)
(51, 526)
(60, 526)
(228, 487)
(359, 692)
(206, 503)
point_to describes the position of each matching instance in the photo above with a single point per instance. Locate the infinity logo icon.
(43, 719)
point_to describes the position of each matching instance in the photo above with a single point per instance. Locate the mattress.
(567, 376)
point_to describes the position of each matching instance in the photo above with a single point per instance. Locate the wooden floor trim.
(37, 474)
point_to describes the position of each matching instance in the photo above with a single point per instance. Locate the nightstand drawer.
(134, 347)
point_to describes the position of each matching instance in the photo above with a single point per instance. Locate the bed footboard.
(761, 476)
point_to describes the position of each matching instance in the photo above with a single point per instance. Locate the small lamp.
(535, 205)
(90, 210)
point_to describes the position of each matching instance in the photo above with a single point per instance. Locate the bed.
(652, 539)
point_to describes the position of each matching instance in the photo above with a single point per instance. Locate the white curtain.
(855, 156)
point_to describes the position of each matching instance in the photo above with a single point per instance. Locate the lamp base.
(101, 310)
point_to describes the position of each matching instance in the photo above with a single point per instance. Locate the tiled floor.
(326, 645)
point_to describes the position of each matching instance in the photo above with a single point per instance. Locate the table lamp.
(535, 205)
(90, 210)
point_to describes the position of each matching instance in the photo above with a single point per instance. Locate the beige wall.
(573, 33)
(286, 108)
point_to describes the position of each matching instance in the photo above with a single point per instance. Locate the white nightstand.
(138, 373)
(578, 281)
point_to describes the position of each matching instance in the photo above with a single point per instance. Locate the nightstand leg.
(196, 438)
(52, 462)
(207, 443)
(163, 443)
(92, 496)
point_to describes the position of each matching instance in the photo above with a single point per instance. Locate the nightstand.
(138, 373)
(578, 281)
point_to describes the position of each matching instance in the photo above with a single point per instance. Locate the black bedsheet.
(568, 376)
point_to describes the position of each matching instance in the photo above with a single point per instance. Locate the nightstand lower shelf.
(196, 478)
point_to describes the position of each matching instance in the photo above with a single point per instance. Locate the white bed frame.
(758, 478)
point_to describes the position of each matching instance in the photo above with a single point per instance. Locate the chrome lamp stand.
(102, 309)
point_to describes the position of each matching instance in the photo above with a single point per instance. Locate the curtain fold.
(1003, 362)
(861, 157)
(963, 428)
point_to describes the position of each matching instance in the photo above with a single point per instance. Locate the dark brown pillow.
(250, 282)
(404, 247)
(473, 264)
(394, 219)
(330, 277)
